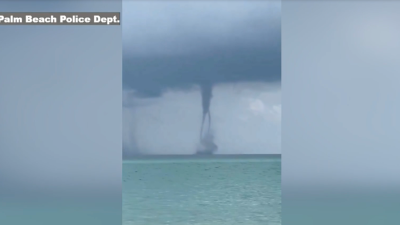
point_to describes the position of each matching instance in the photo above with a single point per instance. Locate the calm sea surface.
(206, 191)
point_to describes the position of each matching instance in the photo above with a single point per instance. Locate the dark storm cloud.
(179, 44)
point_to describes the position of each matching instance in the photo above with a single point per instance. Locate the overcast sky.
(169, 47)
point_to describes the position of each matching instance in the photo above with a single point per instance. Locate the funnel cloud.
(206, 140)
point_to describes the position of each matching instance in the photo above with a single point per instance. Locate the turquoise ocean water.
(211, 190)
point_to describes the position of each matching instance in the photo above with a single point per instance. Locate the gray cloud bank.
(176, 44)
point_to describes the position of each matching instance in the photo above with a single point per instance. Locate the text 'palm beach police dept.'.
(59, 19)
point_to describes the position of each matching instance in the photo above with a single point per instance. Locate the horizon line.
(143, 156)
